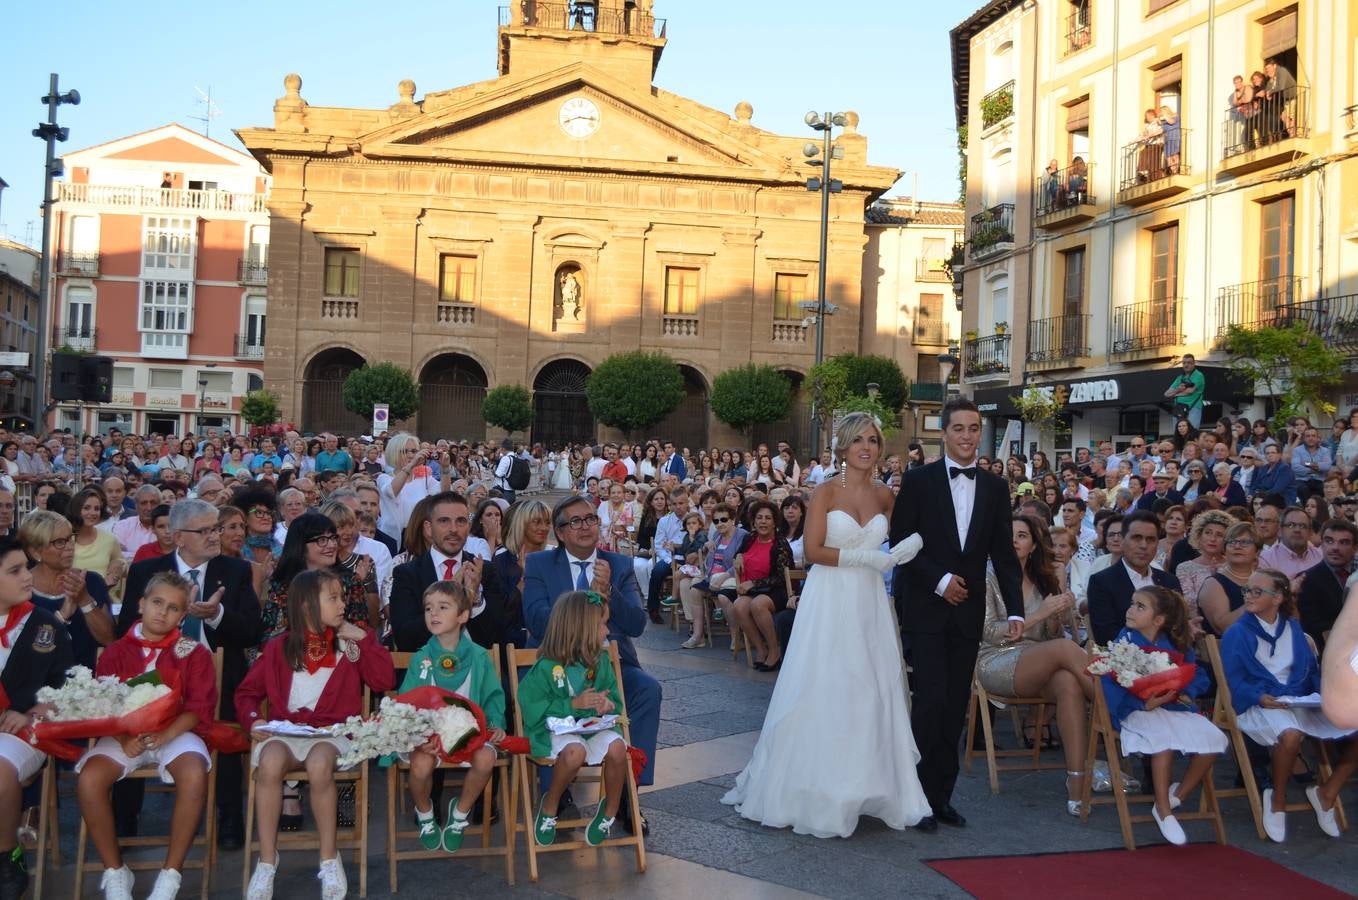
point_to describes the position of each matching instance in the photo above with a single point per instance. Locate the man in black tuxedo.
(224, 615)
(963, 516)
(1321, 597)
(1110, 591)
(446, 560)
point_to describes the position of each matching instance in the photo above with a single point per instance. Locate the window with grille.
(168, 243)
(341, 272)
(789, 291)
(457, 279)
(681, 291)
(79, 312)
(166, 305)
(255, 310)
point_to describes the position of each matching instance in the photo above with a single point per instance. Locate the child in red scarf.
(311, 675)
(154, 644)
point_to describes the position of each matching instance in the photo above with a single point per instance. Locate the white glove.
(907, 549)
(866, 559)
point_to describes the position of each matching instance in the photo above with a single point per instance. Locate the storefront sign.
(1142, 388)
(167, 400)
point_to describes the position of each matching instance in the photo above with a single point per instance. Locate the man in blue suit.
(578, 564)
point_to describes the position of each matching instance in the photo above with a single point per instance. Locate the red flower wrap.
(1171, 681)
(430, 697)
(154, 716)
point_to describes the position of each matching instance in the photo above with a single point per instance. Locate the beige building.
(19, 281)
(522, 229)
(1111, 248)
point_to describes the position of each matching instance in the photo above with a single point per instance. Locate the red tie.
(448, 566)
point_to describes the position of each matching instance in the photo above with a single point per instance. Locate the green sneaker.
(670, 602)
(452, 832)
(429, 831)
(544, 828)
(599, 826)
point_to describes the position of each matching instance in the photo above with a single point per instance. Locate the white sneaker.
(1174, 802)
(1326, 817)
(1275, 823)
(167, 885)
(334, 886)
(117, 884)
(1170, 827)
(261, 883)
(691, 644)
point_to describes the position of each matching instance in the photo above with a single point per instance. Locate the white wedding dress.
(836, 742)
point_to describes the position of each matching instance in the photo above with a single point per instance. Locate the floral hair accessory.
(594, 598)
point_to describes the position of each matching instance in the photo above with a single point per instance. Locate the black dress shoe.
(949, 816)
(928, 825)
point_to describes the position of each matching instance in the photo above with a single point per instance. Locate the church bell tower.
(620, 37)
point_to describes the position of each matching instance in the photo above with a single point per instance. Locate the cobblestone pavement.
(699, 848)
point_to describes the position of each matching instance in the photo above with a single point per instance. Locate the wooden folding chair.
(981, 708)
(48, 849)
(396, 789)
(353, 838)
(1223, 715)
(207, 840)
(1101, 730)
(529, 787)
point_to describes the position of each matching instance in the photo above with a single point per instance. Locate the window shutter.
(1169, 73)
(1280, 35)
(1077, 115)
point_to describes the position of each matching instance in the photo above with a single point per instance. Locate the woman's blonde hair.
(38, 527)
(396, 445)
(1205, 518)
(572, 636)
(337, 512)
(520, 515)
(854, 424)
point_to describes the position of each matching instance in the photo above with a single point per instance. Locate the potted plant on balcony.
(1001, 327)
(971, 335)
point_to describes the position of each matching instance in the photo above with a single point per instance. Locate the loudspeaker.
(96, 379)
(66, 376)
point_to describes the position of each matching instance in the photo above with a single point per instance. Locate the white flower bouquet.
(86, 706)
(409, 720)
(1145, 671)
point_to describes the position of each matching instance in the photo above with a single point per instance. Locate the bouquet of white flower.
(412, 719)
(86, 706)
(83, 696)
(1145, 671)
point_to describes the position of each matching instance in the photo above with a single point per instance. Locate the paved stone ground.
(699, 848)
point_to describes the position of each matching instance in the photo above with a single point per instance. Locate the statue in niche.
(571, 301)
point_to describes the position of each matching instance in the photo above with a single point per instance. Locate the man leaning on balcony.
(1187, 391)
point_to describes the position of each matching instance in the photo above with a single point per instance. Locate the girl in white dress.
(836, 742)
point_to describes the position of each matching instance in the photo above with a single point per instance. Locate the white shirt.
(631, 465)
(502, 470)
(479, 546)
(381, 558)
(396, 509)
(1279, 664)
(963, 502)
(1138, 581)
(669, 530)
(595, 467)
(307, 688)
(575, 567)
(439, 561)
(184, 569)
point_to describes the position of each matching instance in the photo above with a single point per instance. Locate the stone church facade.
(524, 228)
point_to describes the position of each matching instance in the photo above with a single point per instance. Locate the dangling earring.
(844, 473)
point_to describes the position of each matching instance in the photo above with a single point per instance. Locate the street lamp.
(202, 401)
(821, 156)
(50, 132)
(947, 364)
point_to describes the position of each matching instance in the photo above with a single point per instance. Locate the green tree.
(1293, 364)
(383, 383)
(635, 390)
(259, 408)
(892, 386)
(840, 384)
(508, 406)
(750, 395)
(886, 418)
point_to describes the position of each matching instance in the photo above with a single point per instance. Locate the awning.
(1125, 390)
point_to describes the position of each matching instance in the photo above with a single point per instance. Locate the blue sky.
(137, 65)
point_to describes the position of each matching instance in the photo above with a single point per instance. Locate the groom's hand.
(956, 591)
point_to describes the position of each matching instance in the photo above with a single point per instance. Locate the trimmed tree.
(1294, 364)
(750, 395)
(508, 406)
(383, 383)
(860, 371)
(635, 390)
(259, 408)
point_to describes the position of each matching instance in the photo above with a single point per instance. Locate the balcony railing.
(931, 333)
(78, 264)
(250, 270)
(583, 17)
(1079, 34)
(339, 308)
(1058, 339)
(1333, 318)
(986, 355)
(926, 391)
(991, 230)
(456, 314)
(998, 105)
(789, 332)
(1256, 304)
(248, 348)
(1149, 160)
(1063, 189)
(1147, 325)
(679, 326)
(132, 198)
(1265, 121)
(83, 340)
(932, 270)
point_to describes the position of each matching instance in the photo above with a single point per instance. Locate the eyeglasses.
(60, 543)
(1253, 591)
(579, 522)
(324, 539)
(1240, 542)
(213, 529)
(260, 511)
(720, 520)
(1296, 524)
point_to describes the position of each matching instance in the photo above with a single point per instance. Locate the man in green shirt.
(1187, 390)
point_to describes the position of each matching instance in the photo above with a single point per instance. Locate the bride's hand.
(907, 549)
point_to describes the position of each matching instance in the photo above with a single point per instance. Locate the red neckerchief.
(149, 648)
(12, 619)
(318, 651)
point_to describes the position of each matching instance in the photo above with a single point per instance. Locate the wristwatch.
(88, 608)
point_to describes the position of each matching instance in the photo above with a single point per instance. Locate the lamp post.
(821, 156)
(947, 364)
(202, 401)
(50, 132)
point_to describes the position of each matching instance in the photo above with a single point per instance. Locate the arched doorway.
(560, 411)
(322, 406)
(452, 391)
(687, 425)
(795, 427)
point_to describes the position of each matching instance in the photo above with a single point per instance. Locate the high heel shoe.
(1073, 807)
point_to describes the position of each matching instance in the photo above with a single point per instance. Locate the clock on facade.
(579, 117)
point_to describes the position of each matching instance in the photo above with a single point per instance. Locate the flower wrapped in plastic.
(1145, 671)
(460, 725)
(87, 707)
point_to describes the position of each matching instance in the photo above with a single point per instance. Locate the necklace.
(1238, 579)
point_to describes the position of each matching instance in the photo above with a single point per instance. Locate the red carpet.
(1130, 875)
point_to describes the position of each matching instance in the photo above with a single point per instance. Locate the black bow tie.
(954, 471)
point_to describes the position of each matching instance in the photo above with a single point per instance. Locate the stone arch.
(322, 386)
(452, 391)
(687, 424)
(795, 427)
(560, 411)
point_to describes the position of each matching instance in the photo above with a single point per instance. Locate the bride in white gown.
(836, 742)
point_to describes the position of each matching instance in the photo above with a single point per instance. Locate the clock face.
(579, 117)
